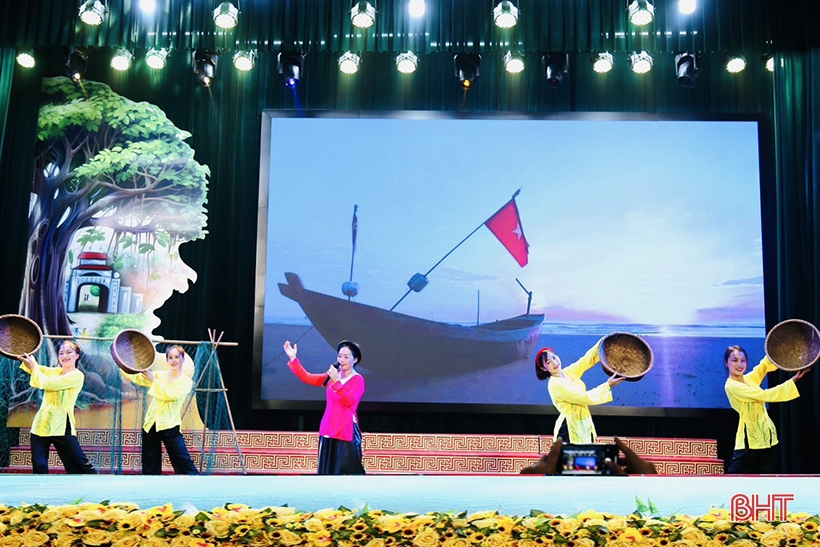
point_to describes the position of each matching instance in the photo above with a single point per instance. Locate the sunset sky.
(653, 222)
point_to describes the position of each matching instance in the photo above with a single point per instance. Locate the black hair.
(730, 350)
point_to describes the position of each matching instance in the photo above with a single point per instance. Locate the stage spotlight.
(513, 62)
(641, 12)
(416, 8)
(363, 14)
(122, 60)
(768, 61)
(148, 6)
(244, 60)
(505, 14)
(76, 63)
(290, 67)
(686, 69)
(407, 62)
(92, 12)
(26, 59)
(205, 66)
(155, 58)
(556, 68)
(226, 15)
(688, 7)
(349, 62)
(603, 62)
(735, 63)
(467, 68)
(641, 62)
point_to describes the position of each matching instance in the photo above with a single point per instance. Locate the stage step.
(289, 452)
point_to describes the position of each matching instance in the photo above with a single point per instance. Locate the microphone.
(335, 365)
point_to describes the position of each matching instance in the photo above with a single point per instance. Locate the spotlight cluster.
(364, 14)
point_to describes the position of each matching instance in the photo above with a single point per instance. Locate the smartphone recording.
(587, 459)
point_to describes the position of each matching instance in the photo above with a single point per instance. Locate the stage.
(511, 495)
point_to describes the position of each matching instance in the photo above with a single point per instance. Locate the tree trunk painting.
(106, 168)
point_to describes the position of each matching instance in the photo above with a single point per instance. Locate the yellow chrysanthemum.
(616, 523)
(218, 528)
(161, 511)
(496, 539)
(423, 520)
(790, 530)
(33, 538)
(772, 538)
(11, 541)
(64, 541)
(389, 523)
(319, 539)
(132, 521)
(631, 534)
(588, 515)
(584, 542)
(568, 526)
(289, 538)
(96, 537)
(181, 541)
(124, 539)
(694, 535)
(130, 540)
(477, 538)
(315, 525)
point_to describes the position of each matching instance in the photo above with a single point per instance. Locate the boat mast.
(355, 227)
(419, 281)
(529, 295)
(349, 288)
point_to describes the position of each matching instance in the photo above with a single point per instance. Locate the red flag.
(506, 226)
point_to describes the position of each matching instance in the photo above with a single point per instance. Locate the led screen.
(375, 229)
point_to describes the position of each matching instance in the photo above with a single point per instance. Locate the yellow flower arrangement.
(126, 525)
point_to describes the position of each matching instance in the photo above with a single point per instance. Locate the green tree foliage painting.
(109, 174)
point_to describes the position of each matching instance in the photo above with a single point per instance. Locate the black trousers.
(68, 448)
(174, 442)
(749, 461)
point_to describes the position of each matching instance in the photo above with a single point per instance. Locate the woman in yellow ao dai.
(756, 450)
(54, 422)
(168, 390)
(570, 396)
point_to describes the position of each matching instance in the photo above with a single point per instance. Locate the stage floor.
(512, 495)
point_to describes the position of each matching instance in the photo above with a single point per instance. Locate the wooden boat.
(386, 336)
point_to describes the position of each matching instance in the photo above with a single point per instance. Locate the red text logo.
(774, 506)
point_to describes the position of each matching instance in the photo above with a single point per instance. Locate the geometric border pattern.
(291, 452)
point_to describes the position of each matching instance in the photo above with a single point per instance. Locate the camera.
(587, 459)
